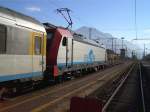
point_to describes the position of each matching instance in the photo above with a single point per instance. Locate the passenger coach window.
(2, 39)
(64, 42)
(37, 45)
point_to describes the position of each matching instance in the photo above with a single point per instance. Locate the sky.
(116, 17)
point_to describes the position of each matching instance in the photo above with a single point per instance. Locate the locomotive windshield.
(49, 35)
(49, 39)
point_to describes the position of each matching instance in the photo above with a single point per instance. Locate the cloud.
(33, 9)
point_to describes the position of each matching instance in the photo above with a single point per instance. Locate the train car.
(22, 48)
(112, 57)
(67, 53)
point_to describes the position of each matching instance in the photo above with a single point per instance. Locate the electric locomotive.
(68, 54)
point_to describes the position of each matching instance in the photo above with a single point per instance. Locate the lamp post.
(122, 41)
(90, 33)
(144, 50)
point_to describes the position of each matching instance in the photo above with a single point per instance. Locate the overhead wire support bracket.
(64, 11)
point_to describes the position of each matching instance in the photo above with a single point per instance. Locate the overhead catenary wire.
(135, 19)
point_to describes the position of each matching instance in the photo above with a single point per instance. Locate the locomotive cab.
(59, 50)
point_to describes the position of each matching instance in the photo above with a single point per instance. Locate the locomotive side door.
(68, 43)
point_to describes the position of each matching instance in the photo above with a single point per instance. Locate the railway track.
(57, 98)
(128, 95)
(145, 82)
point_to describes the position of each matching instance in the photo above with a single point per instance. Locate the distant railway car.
(22, 47)
(112, 57)
(67, 53)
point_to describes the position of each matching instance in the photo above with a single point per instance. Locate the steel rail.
(116, 90)
(141, 88)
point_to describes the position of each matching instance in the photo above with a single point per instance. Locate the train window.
(37, 45)
(65, 41)
(2, 39)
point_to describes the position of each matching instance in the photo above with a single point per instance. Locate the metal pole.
(122, 41)
(115, 46)
(112, 43)
(144, 50)
(126, 52)
(90, 33)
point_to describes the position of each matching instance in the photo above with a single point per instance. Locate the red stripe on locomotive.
(53, 48)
